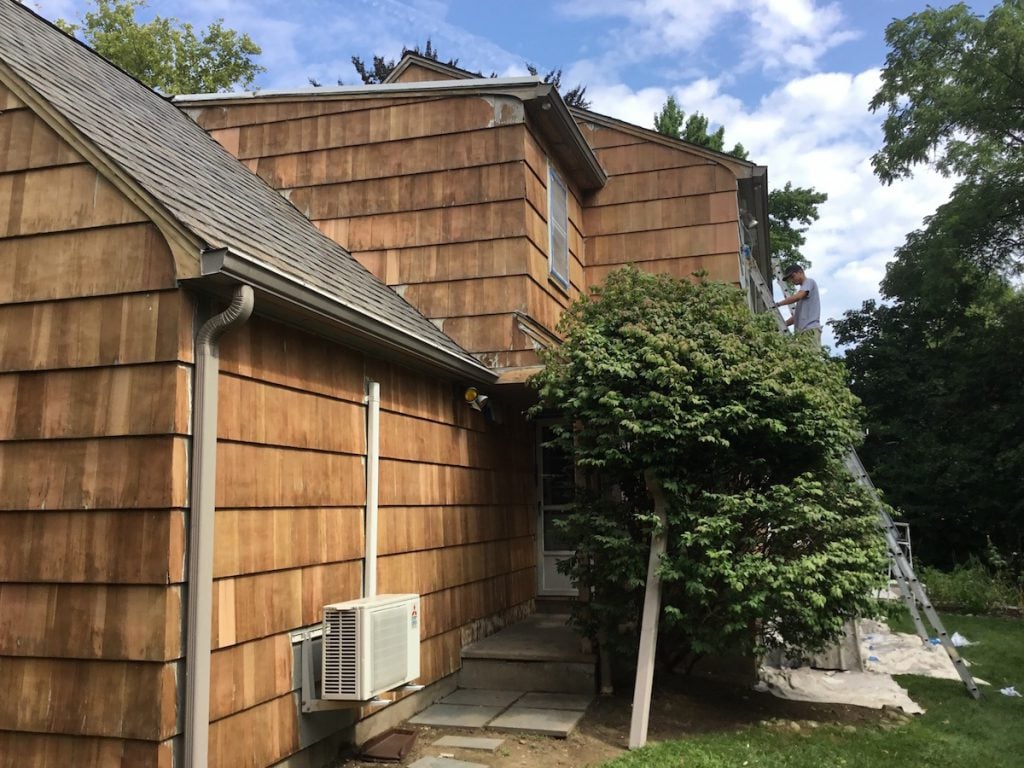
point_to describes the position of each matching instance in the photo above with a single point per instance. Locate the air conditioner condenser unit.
(370, 646)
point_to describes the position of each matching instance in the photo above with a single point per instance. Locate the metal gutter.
(753, 198)
(373, 333)
(563, 133)
(392, 89)
(201, 512)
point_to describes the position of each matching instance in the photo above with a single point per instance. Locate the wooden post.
(649, 624)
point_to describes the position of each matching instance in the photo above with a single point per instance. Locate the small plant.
(971, 587)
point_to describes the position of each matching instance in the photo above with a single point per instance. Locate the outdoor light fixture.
(481, 403)
(748, 220)
(474, 399)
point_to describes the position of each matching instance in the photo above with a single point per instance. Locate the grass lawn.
(955, 732)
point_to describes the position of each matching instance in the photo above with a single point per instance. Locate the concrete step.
(539, 676)
(554, 605)
(541, 653)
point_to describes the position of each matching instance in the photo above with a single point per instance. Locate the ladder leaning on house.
(911, 589)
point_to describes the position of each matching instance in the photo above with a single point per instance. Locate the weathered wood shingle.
(199, 184)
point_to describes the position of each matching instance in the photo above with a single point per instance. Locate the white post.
(649, 624)
(372, 483)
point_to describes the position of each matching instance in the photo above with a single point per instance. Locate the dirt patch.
(685, 706)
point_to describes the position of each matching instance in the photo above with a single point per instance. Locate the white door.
(555, 489)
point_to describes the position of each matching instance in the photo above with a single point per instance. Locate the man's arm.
(798, 296)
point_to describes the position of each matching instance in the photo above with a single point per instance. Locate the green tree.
(744, 429)
(939, 364)
(672, 121)
(791, 210)
(953, 95)
(669, 120)
(166, 54)
(939, 367)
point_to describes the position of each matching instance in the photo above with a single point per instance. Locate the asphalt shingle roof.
(191, 176)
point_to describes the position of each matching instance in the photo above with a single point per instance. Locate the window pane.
(558, 476)
(558, 227)
(555, 539)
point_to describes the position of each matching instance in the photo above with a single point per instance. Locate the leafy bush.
(970, 587)
(673, 386)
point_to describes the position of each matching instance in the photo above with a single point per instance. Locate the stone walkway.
(547, 714)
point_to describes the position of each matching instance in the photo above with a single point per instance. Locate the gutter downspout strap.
(372, 486)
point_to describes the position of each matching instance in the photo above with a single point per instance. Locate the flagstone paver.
(456, 716)
(469, 742)
(483, 697)
(546, 722)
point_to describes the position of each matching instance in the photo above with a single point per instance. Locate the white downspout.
(372, 485)
(200, 547)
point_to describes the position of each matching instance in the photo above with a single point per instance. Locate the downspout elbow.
(237, 313)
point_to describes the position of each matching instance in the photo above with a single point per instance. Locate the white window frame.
(558, 224)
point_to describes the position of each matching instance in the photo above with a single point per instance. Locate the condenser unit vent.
(370, 646)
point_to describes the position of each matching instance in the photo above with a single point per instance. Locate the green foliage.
(939, 365)
(939, 369)
(669, 121)
(382, 67)
(953, 94)
(953, 90)
(791, 210)
(745, 429)
(166, 54)
(672, 121)
(970, 587)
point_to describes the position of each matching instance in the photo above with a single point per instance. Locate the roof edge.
(238, 267)
(336, 91)
(552, 115)
(411, 57)
(724, 158)
(184, 244)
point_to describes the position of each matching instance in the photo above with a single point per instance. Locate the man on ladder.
(806, 317)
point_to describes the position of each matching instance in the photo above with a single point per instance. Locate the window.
(556, 490)
(558, 228)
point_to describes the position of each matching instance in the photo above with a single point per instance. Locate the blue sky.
(790, 79)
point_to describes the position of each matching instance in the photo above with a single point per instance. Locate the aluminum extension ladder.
(911, 589)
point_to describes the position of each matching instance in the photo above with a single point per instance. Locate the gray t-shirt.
(807, 312)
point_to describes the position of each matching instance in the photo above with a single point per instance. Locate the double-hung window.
(558, 228)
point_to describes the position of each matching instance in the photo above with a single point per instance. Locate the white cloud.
(778, 36)
(815, 131)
